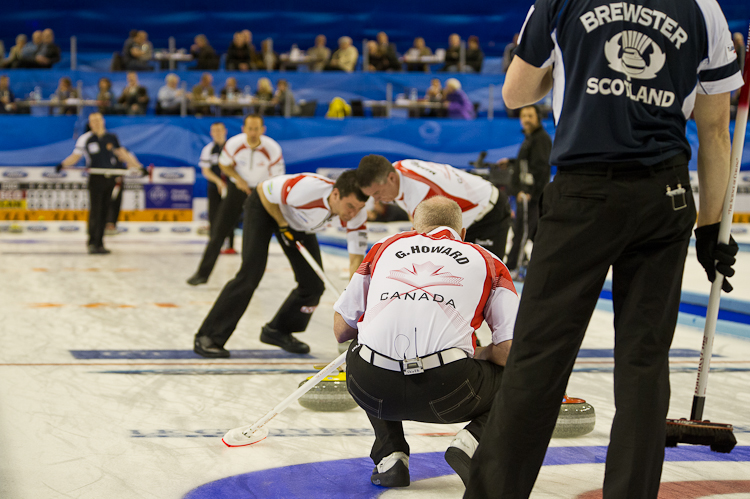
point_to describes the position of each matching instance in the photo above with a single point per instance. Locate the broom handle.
(712, 311)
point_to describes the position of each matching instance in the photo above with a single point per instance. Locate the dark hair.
(373, 168)
(107, 80)
(536, 109)
(474, 38)
(218, 123)
(252, 116)
(347, 184)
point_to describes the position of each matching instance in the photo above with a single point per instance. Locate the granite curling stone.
(576, 418)
(330, 395)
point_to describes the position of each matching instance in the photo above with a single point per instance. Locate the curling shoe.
(197, 279)
(392, 471)
(205, 347)
(286, 341)
(459, 453)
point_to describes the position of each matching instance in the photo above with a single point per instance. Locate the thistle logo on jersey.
(632, 62)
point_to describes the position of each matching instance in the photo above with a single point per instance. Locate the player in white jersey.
(412, 309)
(246, 159)
(486, 212)
(293, 207)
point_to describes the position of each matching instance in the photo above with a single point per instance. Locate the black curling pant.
(100, 197)
(296, 311)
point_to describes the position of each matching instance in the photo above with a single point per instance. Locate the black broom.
(718, 436)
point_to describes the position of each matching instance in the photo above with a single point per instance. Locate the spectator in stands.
(434, 94)
(170, 96)
(138, 53)
(319, 54)
(29, 50)
(14, 54)
(134, 98)
(388, 51)
(453, 53)
(48, 53)
(203, 92)
(378, 60)
(131, 36)
(255, 60)
(268, 56)
(264, 94)
(509, 52)
(105, 98)
(230, 93)
(7, 104)
(64, 92)
(456, 101)
(283, 92)
(474, 56)
(345, 58)
(238, 54)
(419, 49)
(204, 53)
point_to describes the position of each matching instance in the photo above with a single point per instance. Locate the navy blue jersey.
(626, 73)
(99, 152)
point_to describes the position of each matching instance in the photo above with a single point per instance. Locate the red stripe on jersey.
(435, 190)
(364, 268)
(497, 275)
(263, 151)
(318, 203)
(385, 244)
(288, 185)
(243, 146)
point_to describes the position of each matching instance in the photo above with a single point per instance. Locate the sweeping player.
(486, 212)
(101, 150)
(412, 309)
(293, 207)
(625, 77)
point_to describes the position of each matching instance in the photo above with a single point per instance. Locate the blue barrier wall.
(308, 143)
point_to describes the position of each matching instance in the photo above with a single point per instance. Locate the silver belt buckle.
(413, 366)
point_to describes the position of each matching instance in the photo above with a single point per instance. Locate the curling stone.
(343, 347)
(15, 228)
(330, 395)
(576, 418)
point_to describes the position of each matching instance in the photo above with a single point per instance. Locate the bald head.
(437, 211)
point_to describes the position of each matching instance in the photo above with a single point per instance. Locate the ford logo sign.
(15, 174)
(180, 229)
(69, 228)
(54, 174)
(171, 175)
(36, 228)
(150, 229)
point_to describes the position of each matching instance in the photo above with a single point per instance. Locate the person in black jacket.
(531, 171)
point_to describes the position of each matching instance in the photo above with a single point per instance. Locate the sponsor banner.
(40, 193)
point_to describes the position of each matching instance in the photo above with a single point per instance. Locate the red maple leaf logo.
(424, 275)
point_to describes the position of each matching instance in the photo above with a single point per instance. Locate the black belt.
(624, 168)
(412, 366)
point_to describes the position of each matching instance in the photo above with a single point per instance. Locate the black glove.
(58, 167)
(714, 255)
(287, 237)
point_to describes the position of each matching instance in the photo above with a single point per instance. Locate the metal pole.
(462, 57)
(365, 57)
(388, 99)
(172, 49)
(79, 88)
(183, 103)
(268, 56)
(288, 101)
(491, 103)
(73, 53)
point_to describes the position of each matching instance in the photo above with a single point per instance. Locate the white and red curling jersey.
(420, 180)
(417, 294)
(253, 165)
(303, 200)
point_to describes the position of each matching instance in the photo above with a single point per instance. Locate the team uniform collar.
(446, 232)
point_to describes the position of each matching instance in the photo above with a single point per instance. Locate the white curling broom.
(248, 435)
(695, 431)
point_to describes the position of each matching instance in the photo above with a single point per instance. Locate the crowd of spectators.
(241, 55)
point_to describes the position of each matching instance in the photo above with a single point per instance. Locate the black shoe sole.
(397, 476)
(195, 281)
(219, 354)
(289, 344)
(460, 462)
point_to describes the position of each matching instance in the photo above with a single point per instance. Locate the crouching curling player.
(412, 308)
